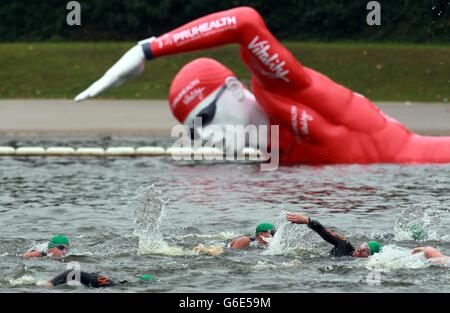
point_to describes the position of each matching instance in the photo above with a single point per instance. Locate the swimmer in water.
(57, 247)
(93, 280)
(342, 247)
(263, 234)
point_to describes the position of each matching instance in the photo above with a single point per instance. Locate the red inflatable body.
(320, 120)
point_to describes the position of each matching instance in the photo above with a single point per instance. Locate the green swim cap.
(417, 232)
(264, 227)
(146, 277)
(374, 247)
(58, 240)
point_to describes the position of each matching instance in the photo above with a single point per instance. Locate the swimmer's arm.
(429, 252)
(240, 243)
(329, 236)
(86, 279)
(323, 232)
(212, 251)
(59, 279)
(32, 254)
(271, 63)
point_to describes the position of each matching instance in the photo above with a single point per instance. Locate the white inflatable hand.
(130, 65)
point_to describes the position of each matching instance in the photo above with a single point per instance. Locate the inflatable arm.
(267, 59)
(130, 65)
(271, 63)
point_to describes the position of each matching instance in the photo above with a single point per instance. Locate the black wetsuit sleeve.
(342, 247)
(87, 279)
(60, 279)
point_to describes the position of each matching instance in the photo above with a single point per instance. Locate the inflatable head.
(194, 83)
(208, 98)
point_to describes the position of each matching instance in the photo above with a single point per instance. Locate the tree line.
(312, 20)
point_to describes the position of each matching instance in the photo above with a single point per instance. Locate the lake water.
(130, 216)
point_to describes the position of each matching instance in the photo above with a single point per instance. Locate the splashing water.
(393, 257)
(223, 235)
(22, 281)
(417, 223)
(38, 246)
(264, 265)
(149, 212)
(290, 238)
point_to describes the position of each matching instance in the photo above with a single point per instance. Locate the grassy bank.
(380, 71)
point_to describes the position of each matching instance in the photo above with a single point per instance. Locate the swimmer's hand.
(297, 218)
(130, 65)
(213, 251)
(45, 284)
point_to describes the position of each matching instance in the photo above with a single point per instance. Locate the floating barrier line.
(150, 151)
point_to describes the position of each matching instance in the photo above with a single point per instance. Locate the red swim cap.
(193, 83)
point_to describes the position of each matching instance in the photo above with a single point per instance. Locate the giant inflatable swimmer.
(320, 121)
